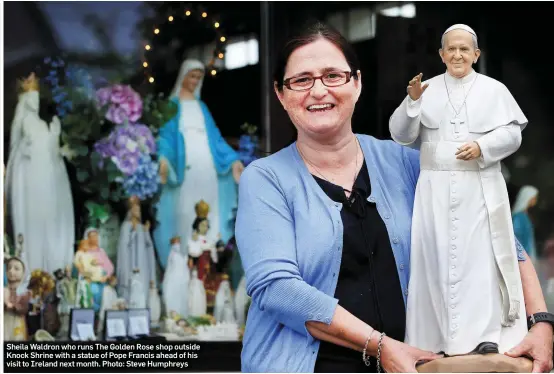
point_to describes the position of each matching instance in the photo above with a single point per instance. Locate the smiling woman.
(314, 226)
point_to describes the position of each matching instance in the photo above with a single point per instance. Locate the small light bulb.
(204, 15)
(214, 72)
(147, 47)
(216, 25)
(156, 31)
(151, 80)
(220, 55)
(222, 39)
(170, 18)
(145, 64)
(187, 13)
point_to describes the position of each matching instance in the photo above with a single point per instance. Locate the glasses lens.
(301, 83)
(335, 78)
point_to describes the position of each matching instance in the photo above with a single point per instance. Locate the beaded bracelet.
(365, 357)
(379, 346)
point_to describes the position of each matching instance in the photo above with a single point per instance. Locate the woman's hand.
(398, 357)
(538, 345)
(238, 168)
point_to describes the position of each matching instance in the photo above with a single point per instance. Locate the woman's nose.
(319, 89)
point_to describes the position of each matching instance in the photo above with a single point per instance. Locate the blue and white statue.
(196, 163)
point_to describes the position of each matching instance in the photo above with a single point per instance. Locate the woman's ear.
(358, 83)
(279, 94)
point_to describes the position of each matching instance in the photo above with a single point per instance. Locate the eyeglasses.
(330, 79)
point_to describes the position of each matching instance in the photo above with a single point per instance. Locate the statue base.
(488, 363)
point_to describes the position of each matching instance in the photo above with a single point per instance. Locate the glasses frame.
(349, 75)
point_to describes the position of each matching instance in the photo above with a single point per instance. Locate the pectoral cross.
(456, 122)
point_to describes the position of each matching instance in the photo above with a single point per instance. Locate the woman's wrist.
(371, 347)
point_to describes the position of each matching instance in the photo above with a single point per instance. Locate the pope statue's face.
(459, 53)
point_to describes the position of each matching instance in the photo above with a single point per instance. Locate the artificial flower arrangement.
(108, 134)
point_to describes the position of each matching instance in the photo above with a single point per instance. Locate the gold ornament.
(202, 209)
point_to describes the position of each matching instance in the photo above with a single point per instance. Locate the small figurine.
(64, 308)
(135, 251)
(154, 304)
(109, 300)
(184, 329)
(241, 302)
(197, 296)
(176, 281)
(93, 264)
(201, 248)
(224, 309)
(16, 302)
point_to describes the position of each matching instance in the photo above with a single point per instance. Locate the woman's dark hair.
(309, 33)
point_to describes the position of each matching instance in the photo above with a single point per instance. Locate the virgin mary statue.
(38, 193)
(196, 163)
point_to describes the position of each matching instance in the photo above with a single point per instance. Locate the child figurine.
(201, 248)
(465, 287)
(16, 302)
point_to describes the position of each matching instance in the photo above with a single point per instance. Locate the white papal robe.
(465, 286)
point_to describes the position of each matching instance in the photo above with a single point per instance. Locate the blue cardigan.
(289, 234)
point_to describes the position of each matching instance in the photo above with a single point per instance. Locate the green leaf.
(82, 150)
(95, 159)
(82, 175)
(105, 193)
(111, 167)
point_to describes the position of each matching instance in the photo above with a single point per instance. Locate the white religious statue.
(110, 300)
(135, 251)
(197, 296)
(196, 163)
(154, 304)
(175, 284)
(465, 289)
(137, 291)
(38, 193)
(224, 303)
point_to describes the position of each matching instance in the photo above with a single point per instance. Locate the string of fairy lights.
(185, 14)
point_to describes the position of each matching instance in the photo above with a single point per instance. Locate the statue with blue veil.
(196, 163)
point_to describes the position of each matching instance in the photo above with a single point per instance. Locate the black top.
(368, 285)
